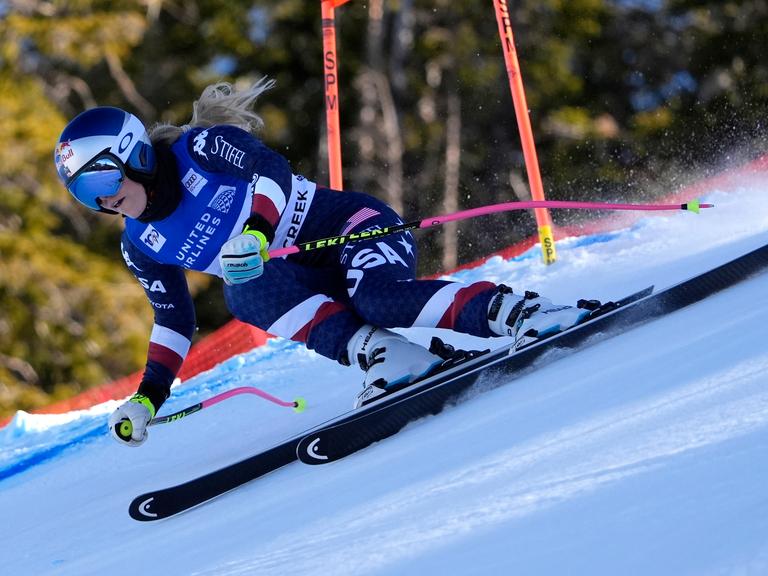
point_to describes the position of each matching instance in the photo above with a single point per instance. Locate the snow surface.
(646, 453)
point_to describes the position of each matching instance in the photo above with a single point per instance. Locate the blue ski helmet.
(96, 151)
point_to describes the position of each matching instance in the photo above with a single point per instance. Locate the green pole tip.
(299, 405)
(692, 206)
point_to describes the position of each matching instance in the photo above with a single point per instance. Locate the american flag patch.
(358, 218)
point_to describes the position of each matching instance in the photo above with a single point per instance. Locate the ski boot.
(390, 361)
(532, 317)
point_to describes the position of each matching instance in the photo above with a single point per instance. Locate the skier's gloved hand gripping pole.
(129, 423)
(693, 206)
(242, 258)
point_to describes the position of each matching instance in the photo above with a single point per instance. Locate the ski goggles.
(101, 177)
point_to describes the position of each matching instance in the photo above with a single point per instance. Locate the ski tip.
(299, 405)
(141, 509)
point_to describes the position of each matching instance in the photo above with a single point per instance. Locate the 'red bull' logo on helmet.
(63, 153)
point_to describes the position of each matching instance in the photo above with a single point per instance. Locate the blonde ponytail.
(219, 104)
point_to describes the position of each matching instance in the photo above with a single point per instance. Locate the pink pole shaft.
(245, 390)
(483, 211)
(509, 206)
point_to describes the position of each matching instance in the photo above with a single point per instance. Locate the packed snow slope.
(645, 453)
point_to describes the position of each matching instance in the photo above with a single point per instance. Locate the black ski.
(386, 417)
(166, 502)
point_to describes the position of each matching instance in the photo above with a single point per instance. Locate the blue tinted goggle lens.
(100, 178)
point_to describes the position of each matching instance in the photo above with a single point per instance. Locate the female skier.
(210, 196)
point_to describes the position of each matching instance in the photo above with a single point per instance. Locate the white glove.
(128, 424)
(242, 257)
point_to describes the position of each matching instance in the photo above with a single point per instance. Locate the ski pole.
(298, 405)
(124, 428)
(693, 206)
